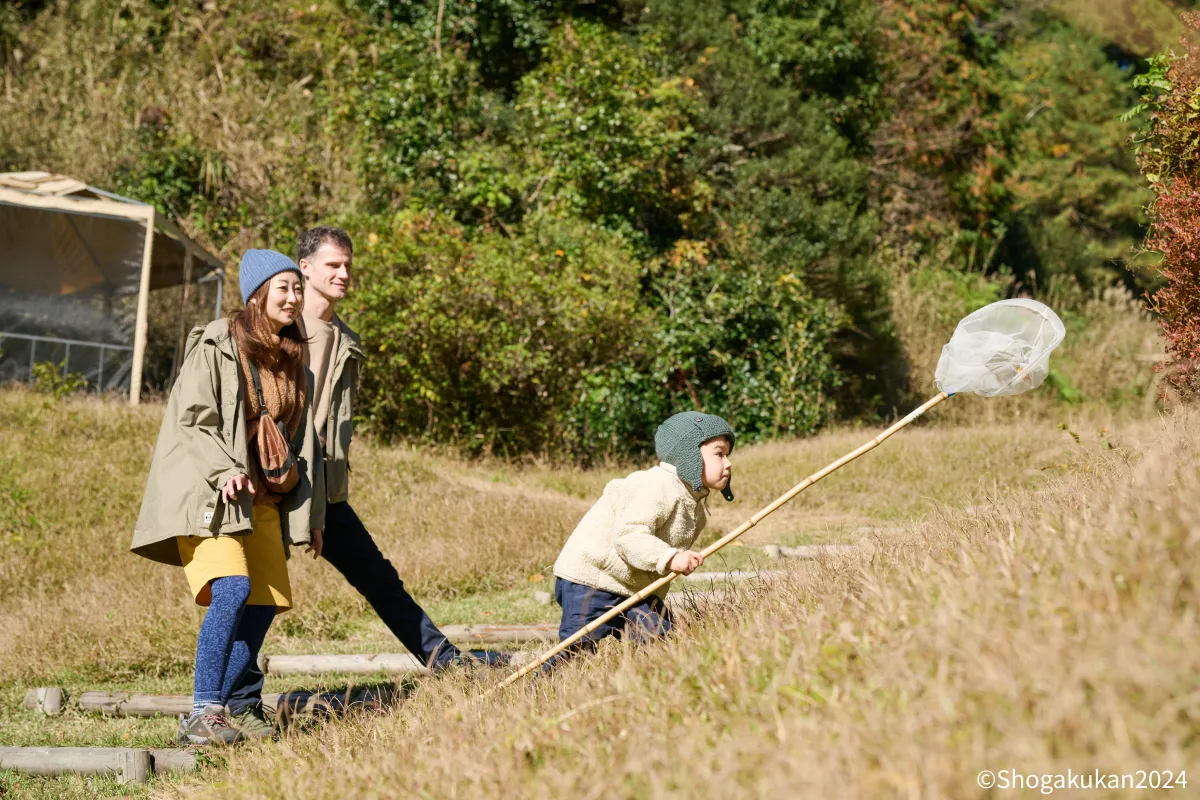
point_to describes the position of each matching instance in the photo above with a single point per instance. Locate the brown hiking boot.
(253, 722)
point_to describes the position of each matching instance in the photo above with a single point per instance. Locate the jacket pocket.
(206, 511)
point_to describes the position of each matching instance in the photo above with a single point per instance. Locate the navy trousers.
(581, 605)
(351, 550)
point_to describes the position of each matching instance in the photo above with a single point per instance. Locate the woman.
(208, 506)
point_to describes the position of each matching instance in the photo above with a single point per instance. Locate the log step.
(686, 601)
(809, 551)
(123, 704)
(736, 576)
(128, 764)
(347, 664)
(170, 759)
(501, 634)
(358, 664)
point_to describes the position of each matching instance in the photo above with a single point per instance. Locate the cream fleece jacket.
(627, 539)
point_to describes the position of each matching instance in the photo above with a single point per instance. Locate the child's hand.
(685, 562)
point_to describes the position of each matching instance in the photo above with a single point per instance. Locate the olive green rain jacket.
(202, 444)
(339, 430)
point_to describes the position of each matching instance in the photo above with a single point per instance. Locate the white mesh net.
(1001, 349)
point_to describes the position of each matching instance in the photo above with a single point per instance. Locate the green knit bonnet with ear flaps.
(677, 442)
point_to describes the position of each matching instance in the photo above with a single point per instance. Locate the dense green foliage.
(575, 218)
(466, 336)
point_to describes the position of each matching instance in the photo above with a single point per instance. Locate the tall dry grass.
(1054, 627)
(72, 598)
(1051, 630)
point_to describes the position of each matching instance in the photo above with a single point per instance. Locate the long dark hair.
(251, 331)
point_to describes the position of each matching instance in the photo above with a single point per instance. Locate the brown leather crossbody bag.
(276, 458)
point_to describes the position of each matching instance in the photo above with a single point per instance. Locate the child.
(640, 529)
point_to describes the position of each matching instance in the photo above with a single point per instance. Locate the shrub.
(543, 342)
(166, 171)
(755, 343)
(1169, 155)
(776, 181)
(51, 379)
(734, 339)
(483, 341)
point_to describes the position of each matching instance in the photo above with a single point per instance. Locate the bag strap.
(264, 411)
(262, 404)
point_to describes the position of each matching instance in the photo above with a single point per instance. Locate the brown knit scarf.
(284, 394)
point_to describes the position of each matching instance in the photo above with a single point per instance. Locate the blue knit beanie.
(259, 266)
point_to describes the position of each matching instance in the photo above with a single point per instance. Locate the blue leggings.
(230, 637)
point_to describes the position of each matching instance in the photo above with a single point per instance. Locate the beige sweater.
(319, 355)
(627, 539)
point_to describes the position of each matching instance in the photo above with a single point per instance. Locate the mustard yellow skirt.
(258, 555)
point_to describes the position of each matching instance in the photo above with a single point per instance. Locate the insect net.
(1001, 349)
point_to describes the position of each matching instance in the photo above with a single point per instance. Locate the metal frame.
(104, 346)
(217, 276)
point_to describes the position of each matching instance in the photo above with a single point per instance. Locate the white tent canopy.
(71, 253)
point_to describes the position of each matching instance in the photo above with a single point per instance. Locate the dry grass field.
(1036, 612)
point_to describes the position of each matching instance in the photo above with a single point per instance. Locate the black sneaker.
(492, 658)
(477, 658)
(208, 727)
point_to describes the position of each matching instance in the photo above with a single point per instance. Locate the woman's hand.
(317, 543)
(235, 485)
(685, 562)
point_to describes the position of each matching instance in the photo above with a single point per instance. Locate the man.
(334, 354)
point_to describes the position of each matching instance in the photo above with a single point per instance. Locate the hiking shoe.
(492, 658)
(208, 727)
(253, 723)
(477, 658)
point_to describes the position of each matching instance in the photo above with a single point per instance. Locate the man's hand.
(235, 485)
(685, 562)
(317, 543)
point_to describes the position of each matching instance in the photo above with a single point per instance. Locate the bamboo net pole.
(720, 543)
